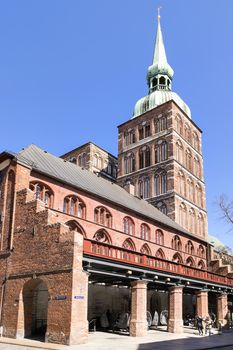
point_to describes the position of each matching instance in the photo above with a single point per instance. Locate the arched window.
(196, 167)
(145, 249)
(177, 258)
(188, 160)
(144, 130)
(128, 244)
(160, 254)
(82, 160)
(129, 137)
(201, 224)
(195, 142)
(187, 133)
(179, 152)
(144, 187)
(190, 189)
(190, 262)
(181, 183)
(103, 217)
(201, 265)
(159, 237)
(162, 81)
(160, 183)
(102, 236)
(189, 248)
(129, 163)
(182, 215)
(201, 251)
(144, 157)
(192, 220)
(176, 243)
(75, 226)
(161, 124)
(145, 232)
(199, 195)
(73, 205)
(42, 192)
(162, 207)
(128, 226)
(161, 153)
(179, 125)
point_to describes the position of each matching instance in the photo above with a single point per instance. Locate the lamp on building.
(168, 279)
(187, 283)
(156, 278)
(129, 272)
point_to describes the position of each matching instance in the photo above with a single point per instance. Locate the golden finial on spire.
(159, 8)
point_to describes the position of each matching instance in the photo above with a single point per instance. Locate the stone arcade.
(77, 241)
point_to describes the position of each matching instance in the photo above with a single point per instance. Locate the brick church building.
(87, 234)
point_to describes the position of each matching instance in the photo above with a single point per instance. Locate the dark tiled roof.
(74, 175)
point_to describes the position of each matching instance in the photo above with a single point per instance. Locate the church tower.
(160, 150)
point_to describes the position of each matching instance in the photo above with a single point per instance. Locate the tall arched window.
(189, 248)
(187, 133)
(201, 265)
(188, 159)
(195, 142)
(160, 183)
(144, 130)
(103, 217)
(161, 153)
(161, 206)
(129, 162)
(161, 124)
(201, 251)
(196, 167)
(199, 195)
(145, 232)
(144, 157)
(82, 160)
(181, 183)
(159, 237)
(128, 226)
(75, 226)
(201, 224)
(192, 220)
(183, 215)
(42, 192)
(179, 152)
(176, 243)
(129, 137)
(190, 189)
(179, 125)
(73, 205)
(144, 187)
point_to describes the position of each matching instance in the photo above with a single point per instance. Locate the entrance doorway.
(35, 301)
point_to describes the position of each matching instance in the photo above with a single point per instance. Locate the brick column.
(202, 303)
(175, 310)
(222, 308)
(138, 322)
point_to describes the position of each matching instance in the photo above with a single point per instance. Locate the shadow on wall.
(192, 343)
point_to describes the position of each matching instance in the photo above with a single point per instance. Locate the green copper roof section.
(160, 64)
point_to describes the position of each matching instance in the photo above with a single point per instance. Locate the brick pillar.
(175, 310)
(222, 308)
(138, 322)
(79, 303)
(202, 303)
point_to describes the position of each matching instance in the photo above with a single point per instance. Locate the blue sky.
(71, 71)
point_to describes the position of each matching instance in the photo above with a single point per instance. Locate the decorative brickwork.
(202, 303)
(175, 312)
(222, 308)
(138, 322)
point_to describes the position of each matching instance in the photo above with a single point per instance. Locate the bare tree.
(226, 208)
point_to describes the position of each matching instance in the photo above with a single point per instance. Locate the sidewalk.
(154, 340)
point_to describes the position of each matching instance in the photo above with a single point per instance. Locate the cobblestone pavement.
(154, 340)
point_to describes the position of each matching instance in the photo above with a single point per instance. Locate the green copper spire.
(160, 73)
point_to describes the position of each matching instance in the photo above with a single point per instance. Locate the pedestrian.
(208, 326)
(199, 322)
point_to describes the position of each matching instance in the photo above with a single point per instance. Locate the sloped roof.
(83, 179)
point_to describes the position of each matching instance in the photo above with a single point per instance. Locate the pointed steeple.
(160, 73)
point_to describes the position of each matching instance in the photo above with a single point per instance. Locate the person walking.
(199, 321)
